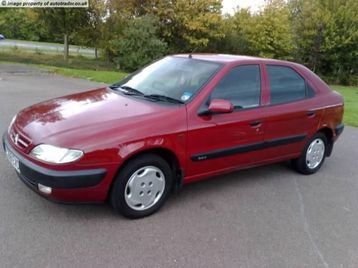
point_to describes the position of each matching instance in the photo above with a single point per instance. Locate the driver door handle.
(255, 123)
(311, 113)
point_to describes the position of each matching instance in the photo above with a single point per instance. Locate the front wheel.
(312, 156)
(142, 186)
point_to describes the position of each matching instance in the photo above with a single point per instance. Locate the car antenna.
(191, 53)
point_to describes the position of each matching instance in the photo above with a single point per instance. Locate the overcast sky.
(229, 5)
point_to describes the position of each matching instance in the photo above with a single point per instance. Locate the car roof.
(228, 58)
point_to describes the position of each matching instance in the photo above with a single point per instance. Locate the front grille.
(19, 139)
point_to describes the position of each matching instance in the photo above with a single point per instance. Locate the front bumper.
(32, 174)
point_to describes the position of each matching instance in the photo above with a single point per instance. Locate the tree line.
(321, 34)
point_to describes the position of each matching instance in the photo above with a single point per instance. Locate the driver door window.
(241, 86)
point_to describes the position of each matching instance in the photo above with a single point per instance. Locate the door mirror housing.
(220, 106)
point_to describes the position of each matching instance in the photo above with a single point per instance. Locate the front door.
(225, 141)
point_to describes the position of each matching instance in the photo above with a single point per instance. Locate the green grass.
(350, 95)
(76, 62)
(81, 67)
(108, 77)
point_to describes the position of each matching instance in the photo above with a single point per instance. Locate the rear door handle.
(311, 113)
(255, 123)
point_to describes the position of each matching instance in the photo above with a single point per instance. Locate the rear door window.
(286, 84)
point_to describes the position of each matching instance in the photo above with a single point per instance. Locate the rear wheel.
(142, 186)
(312, 156)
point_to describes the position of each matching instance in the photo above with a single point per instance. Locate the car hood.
(71, 120)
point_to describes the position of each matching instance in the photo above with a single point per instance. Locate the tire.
(142, 186)
(311, 161)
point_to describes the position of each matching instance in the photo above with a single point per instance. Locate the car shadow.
(238, 179)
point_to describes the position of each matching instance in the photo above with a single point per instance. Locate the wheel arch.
(167, 154)
(328, 132)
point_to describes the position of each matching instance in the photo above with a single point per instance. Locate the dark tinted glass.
(310, 93)
(241, 86)
(286, 85)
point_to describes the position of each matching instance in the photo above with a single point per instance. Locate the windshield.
(171, 77)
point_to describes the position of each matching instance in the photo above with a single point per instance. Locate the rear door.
(289, 117)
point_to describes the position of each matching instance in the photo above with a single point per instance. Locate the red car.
(181, 119)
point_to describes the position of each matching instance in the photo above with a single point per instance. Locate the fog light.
(44, 189)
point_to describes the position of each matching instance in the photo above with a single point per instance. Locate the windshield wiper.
(159, 97)
(132, 91)
(127, 90)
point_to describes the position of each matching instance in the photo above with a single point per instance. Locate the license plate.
(13, 160)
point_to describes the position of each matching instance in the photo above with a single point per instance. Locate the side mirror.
(220, 106)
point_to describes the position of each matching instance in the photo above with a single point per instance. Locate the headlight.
(12, 122)
(57, 155)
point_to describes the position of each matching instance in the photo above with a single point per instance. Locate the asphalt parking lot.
(264, 217)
